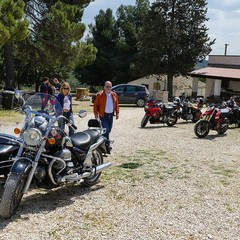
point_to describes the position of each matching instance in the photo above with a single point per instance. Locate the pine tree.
(13, 27)
(174, 38)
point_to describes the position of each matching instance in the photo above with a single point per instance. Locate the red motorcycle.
(214, 118)
(159, 112)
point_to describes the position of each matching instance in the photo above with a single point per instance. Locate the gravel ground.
(165, 183)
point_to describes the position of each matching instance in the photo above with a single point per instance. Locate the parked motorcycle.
(48, 156)
(234, 113)
(214, 118)
(159, 112)
(9, 144)
(187, 110)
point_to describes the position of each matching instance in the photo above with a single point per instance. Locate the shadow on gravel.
(211, 137)
(185, 122)
(41, 200)
(157, 126)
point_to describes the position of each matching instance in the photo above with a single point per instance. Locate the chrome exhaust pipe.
(76, 177)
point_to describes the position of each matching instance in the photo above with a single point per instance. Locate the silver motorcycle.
(48, 156)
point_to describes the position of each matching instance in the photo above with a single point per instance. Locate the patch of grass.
(10, 116)
(142, 164)
(97, 219)
(79, 105)
(224, 182)
(130, 165)
(54, 234)
(223, 171)
(229, 208)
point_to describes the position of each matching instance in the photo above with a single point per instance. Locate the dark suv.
(130, 94)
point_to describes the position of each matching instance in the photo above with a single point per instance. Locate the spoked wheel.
(97, 159)
(172, 120)
(201, 128)
(144, 121)
(12, 195)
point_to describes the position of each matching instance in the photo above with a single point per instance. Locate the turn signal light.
(16, 130)
(51, 141)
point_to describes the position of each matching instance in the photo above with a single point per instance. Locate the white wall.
(224, 60)
(180, 85)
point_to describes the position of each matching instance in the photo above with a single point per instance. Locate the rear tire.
(225, 128)
(12, 195)
(97, 159)
(201, 128)
(144, 121)
(172, 120)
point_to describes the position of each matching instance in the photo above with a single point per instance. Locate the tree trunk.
(170, 84)
(9, 63)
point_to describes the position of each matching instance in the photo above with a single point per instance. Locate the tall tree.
(56, 36)
(13, 27)
(54, 45)
(174, 38)
(115, 39)
(129, 22)
(105, 37)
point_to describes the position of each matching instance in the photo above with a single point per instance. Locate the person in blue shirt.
(65, 99)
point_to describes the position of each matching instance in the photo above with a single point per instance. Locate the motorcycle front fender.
(21, 166)
(206, 117)
(147, 113)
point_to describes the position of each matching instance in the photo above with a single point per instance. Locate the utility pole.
(225, 52)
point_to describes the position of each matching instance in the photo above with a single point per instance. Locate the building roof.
(217, 73)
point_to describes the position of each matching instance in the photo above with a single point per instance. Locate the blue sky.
(223, 24)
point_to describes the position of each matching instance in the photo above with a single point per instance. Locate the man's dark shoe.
(108, 148)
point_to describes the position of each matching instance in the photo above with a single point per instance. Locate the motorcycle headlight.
(32, 137)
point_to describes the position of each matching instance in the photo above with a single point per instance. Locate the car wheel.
(140, 102)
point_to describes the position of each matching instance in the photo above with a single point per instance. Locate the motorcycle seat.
(81, 140)
(94, 134)
(168, 106)
(224, 112)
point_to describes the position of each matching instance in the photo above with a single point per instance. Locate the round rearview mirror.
(82, 113)
(18, 94)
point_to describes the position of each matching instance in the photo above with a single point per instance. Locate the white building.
(222, 76)
(180, 85)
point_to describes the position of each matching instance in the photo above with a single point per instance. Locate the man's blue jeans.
(107, 122)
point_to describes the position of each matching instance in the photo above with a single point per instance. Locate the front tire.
(12, 195)
(144, 121)
(201, 128)
(97, 159)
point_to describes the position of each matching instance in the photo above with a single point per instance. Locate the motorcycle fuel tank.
(8, 149)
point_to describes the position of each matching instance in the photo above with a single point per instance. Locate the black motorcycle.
(9, 146)
(234, 116)
(188, 111)
(49, 157)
